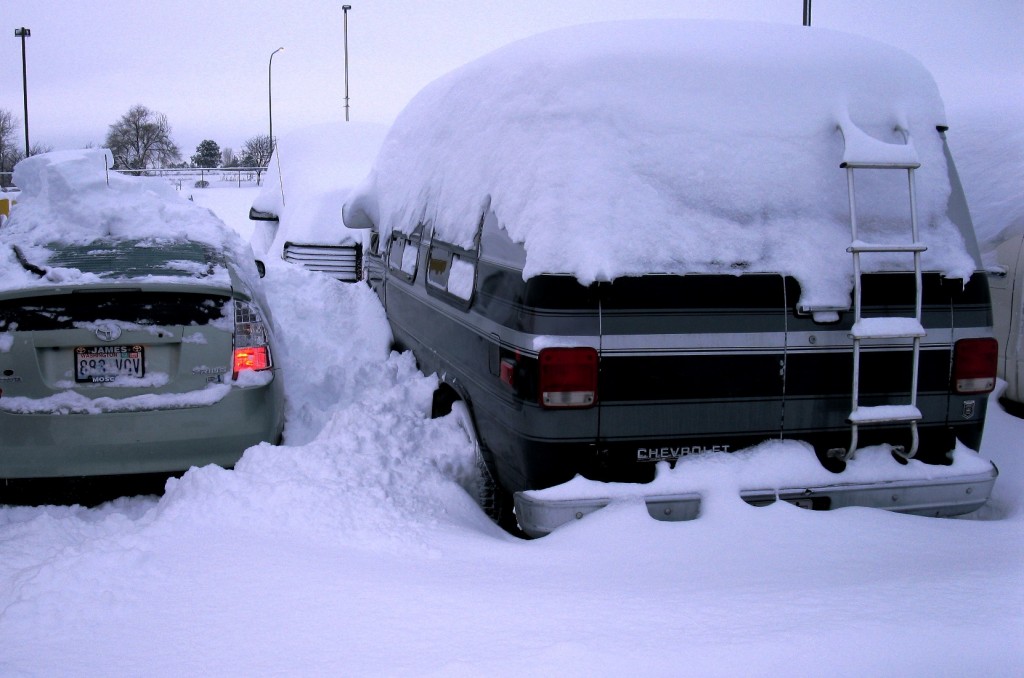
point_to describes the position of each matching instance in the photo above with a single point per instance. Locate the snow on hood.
(671, 146)
(309, 175)
(70, 197)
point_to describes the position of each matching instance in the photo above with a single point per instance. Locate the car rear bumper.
(160, 440)
(948, 495)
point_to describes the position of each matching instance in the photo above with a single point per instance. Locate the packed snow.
(674, 146)
(354, 549)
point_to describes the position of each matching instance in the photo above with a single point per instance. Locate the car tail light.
(568, 377)
(974, 365)
(252, 345)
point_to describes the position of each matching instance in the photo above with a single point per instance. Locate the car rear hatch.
(142, 320)
(113, 342)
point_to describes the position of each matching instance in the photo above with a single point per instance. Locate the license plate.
(100, 364)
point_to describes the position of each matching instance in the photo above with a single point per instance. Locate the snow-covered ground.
(352, 549)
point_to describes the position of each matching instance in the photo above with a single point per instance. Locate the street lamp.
(345, 9)
(24, 33)
(270, 96)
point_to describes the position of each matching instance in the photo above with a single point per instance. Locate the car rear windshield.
(58, 312)
(137, 258)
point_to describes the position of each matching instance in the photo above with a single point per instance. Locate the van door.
(688, 365)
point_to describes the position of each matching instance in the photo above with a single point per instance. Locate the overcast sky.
(204, 63)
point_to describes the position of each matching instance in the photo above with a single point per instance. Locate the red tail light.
(974, 365)
(252, 350)
(568, 377)
(253, 358)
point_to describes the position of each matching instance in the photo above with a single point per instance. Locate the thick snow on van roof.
(674, 146)
(69, 200)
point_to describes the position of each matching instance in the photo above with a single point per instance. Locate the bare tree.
(227, 157)
(141, 139)
(8, 153)
(256, 153)
(257, 150)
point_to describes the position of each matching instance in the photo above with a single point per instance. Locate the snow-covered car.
(632, 247)
(298, 210)
(134, 337)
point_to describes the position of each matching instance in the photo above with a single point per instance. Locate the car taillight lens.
(568, 377)
(252, 345)
(257, 358)
(974, 365)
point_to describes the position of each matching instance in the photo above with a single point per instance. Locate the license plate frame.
(105, 364)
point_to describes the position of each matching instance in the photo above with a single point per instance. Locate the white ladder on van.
(864, 152)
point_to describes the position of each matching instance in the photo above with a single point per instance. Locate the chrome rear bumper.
(941, 497)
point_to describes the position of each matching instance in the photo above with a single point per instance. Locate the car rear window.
(137, 258)
(57, 312)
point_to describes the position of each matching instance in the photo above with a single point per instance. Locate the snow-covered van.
(653, 257)
(297, 213)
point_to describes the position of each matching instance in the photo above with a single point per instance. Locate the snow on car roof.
(70, 203)
(672, 146)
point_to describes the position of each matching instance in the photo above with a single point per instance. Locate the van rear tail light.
(251, 340)
(568, 377)
(974, 365)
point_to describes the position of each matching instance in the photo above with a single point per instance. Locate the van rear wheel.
(496, 502)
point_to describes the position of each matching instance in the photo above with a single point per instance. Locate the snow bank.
(310, 173)
(672, 146)
(70, 197)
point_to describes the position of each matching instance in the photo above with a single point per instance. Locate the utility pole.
(807, 12)
(345, 9)
(24, 33)
(270, 95)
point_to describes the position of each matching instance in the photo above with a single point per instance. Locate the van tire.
(495, 501)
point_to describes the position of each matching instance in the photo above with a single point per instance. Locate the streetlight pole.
(24, 33)
(270, 96)
(345, 9)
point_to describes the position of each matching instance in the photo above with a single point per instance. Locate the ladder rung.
(875, 247)
(887, 328)
(884, 414)
(878, 164)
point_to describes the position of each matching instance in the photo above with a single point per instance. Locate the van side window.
(402, 253)
(451, 271)
(402, 256)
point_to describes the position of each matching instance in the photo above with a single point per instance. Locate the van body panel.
(692, 364)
